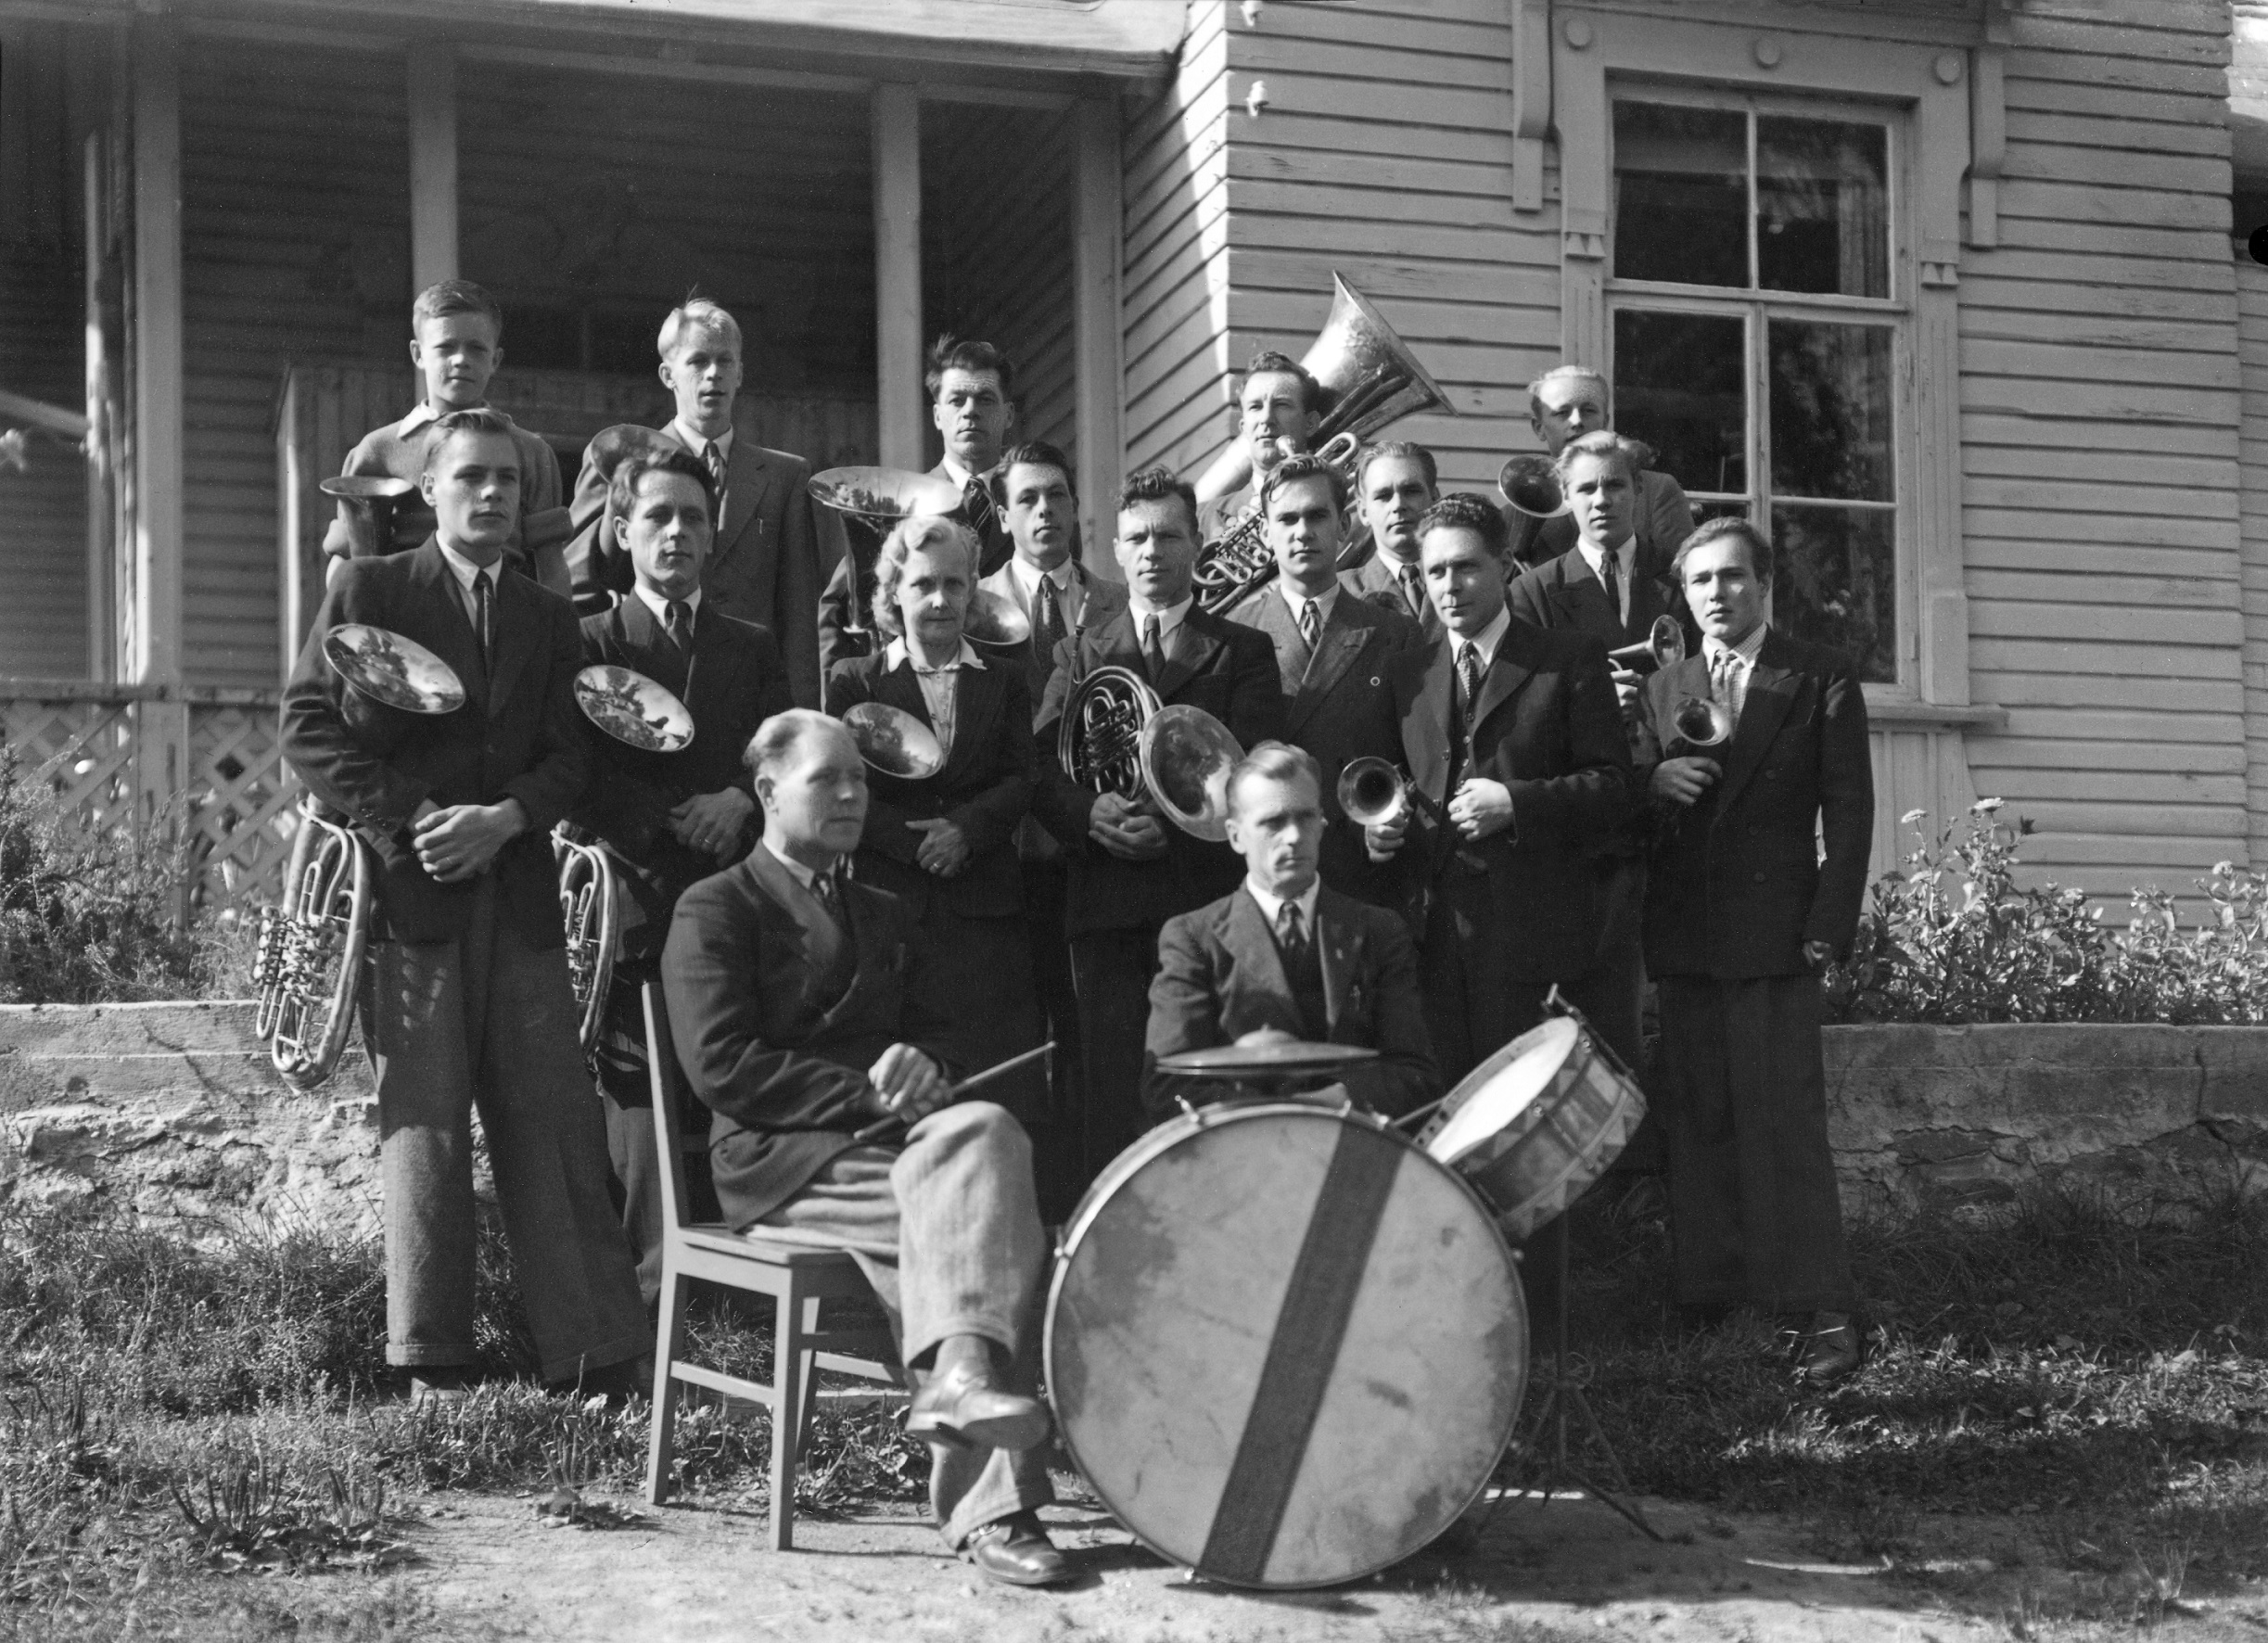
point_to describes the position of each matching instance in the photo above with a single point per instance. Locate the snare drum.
(1284, 1346)
(1536, 1123)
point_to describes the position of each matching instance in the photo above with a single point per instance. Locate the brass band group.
(1314, 806)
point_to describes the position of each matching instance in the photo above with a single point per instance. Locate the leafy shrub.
(1954, 938)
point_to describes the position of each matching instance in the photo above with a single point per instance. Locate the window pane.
(1822, 206)
(1677, 385)
(1836, 582)
(1681, 194)
(1830, 410)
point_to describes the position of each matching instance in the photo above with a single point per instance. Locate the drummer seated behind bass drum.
(1285, 958)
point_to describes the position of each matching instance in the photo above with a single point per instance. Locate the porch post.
(898, 276)
(432, 89)
(162, 731)
(1096, 326)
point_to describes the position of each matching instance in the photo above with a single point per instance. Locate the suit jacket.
(1565, 592)
(1219, 977)
(1664, 520)
(518, 735)
(1549, 729)
(765, 567)
(1338, 706)
(1737, 884)
(766, 1039)
(839, 642)
(1227, 671)
(1374, 579)
(731, 684)
(1101, 599)
(985, 788)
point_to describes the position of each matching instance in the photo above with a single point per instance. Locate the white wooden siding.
(2252, 448)
(2099, 444)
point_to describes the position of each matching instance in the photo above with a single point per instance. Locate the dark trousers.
(1058, 1143)
(1754, 1215)
(1113, 970)
(1620, 995)
(627, 1089)
(1475, 1005)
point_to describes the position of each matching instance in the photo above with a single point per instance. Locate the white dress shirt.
(1296, 603)
(1172, 616)
(1744, 656)
(1070, 592)
(1271, 906)
(467, 573)
(698, 443)
(659, 605)
(1485, 641)
(1626, 561)
(957, 474)
(940, 689)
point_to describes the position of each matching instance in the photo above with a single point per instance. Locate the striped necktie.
(714, 456)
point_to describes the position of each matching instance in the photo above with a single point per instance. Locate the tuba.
(590, 898)
(872, 501)
(1532, 485)
(1372, 380)
(308, 966)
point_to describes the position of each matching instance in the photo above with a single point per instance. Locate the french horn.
(308, 966)
(590, 900)
(1098, 741)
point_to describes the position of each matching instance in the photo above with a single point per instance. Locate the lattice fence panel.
(83, 751)
(240, 801)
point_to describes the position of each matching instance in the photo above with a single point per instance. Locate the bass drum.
(1284, 1346)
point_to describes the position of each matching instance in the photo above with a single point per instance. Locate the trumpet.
(1664, 647)
(591, 899)
(1702, 721)
(1372, 792)
(308, 966)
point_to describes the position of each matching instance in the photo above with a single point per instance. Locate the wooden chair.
(797, 1278)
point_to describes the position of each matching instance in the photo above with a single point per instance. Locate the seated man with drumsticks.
(797, 999)
(1283, 957)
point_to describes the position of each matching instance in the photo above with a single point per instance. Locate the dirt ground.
(1540, 1572)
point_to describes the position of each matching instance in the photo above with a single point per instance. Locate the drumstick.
(882, 1127)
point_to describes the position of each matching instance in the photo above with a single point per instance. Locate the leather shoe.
(961, 1407)
(436, 1386)
(1829, 1351)
(1017, 1551)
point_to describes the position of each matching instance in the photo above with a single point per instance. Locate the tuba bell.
(308, 966)
(1530, 484)
(872, 500)
(591, 899)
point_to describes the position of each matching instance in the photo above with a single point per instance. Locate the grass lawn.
(178, 1421)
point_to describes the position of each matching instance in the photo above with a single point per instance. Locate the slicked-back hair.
(777, 738)
(917, 533)
(1463, 510)
(698, 314)
(949, 352)
(1306, 465)
(1726, 526)
(1276, 761)
(480, 421)
(1267, 361)
(1032, 453)
(1601, 442)
(455, 295)
(1568, 373)
(1408, 448)
(623, 489)
(1157, 484)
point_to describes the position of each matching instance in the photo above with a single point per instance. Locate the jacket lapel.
(976, 699)
(1425, 737)
(1274, 618)
(517, 623)
(822, 937)
(1340, 642)
(643, 638)
(747, 475)
(1771, 692)
(1339, 944)
(430, 573)
(1188, 651)
(1252, 946)
(1507, 672)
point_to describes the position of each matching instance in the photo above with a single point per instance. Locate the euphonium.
(308, 967)
(1241, 561)
(590, 898)
(1701, 722)
(1098, 741)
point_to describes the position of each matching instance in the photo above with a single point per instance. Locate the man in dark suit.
(470, 1004)
(1333, 654)
(797, 999)
(945, 844)
(1517, 763)
(1395, 483)
(972, 404)
(1283, 955)
(1565, 403)
(1047, 579)
(1129, 870)
(1742, 914)
(669, 818)
(766, 564)
(1278, 407)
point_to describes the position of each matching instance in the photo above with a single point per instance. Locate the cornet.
(1373, 793)
(1664, 647)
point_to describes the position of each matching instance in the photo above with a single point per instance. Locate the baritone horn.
(591, 899)
(308, 966)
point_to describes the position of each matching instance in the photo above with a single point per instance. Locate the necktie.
(1610, 574)
(1047, 618)
(480, 614)
(822, 886)
(976, 507)
(714, 456)
(1310, 623)
(1469, 676)
(676, 619)
(1292, 934)
(1724, 682)
(1152, 647)
(1413, 590)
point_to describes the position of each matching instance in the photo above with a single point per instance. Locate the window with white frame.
(1759, 313)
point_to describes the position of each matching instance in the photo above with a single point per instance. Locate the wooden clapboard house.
(1946, 291)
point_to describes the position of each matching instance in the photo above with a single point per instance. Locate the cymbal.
(1278, 1056)
(893, 740)
(633, 709)
(387, 667)
(366, 487)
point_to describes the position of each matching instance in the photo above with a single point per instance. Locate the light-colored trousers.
(947, 1231)
(488, 1020)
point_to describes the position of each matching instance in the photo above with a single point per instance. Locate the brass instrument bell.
(1702, 721)
(1664, 647)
